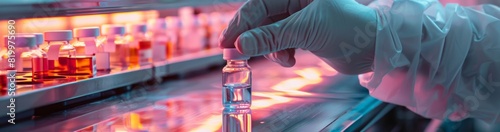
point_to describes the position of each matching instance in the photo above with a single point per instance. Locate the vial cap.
(108, 29)
(136, 28)
(22, 40)
(233, 54)
(58, 35)
(38, 37)
(86, 32)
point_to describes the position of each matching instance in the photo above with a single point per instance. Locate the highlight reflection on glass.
(237, 120)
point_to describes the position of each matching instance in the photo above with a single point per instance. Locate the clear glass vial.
(236, 80)
(59, 50)
(85, 43)
(140, 52)
(115, 46)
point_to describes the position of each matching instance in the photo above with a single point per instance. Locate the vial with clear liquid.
(236, 80)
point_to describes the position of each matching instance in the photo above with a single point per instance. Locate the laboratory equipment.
(59, 50)
(85, 43)
(192, 34)
(140, 52)
(236, 80)
(115, 44)
(160, 40)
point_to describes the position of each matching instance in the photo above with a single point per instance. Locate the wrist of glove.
(340, 32)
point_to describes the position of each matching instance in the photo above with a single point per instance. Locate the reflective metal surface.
(307, 97)
(189, 62)
(31, 96)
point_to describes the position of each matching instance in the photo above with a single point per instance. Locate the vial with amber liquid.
(140, 52)
(236, 80)
(59, 50)
(85, 43)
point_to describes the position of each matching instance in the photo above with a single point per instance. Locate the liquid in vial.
(39, 69)
(140, 55)
(170, 49)
(82, 65)
(3, 81)
(121, 55)
(58, 65)
(237, 96)
(134, 57)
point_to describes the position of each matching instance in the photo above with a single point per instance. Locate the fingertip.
(246, 44)
(291, 62)
(223, 41)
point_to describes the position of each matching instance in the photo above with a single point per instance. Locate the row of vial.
(84, 51)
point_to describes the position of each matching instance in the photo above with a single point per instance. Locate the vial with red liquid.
(35, 60)
(59, 50)
(83, 62)
(140, 52)
(115, 44)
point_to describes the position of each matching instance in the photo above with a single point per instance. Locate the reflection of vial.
(237, 120)
(236, 80)
(116, 44)
(84, 60)
(59, 50)
(140, 52)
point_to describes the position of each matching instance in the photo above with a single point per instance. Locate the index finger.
(255, 13)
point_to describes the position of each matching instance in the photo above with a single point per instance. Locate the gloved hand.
(340, 32)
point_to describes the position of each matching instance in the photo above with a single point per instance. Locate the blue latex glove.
(440, 62)
(324, 27)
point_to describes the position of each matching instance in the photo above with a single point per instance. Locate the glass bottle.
(85, 43)
(140, 52)
(236, 80)
(59, 50)
(115, 44)
(35, 60)
(27, 59)
(158, 30)
(173, 46)
(191, 34)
